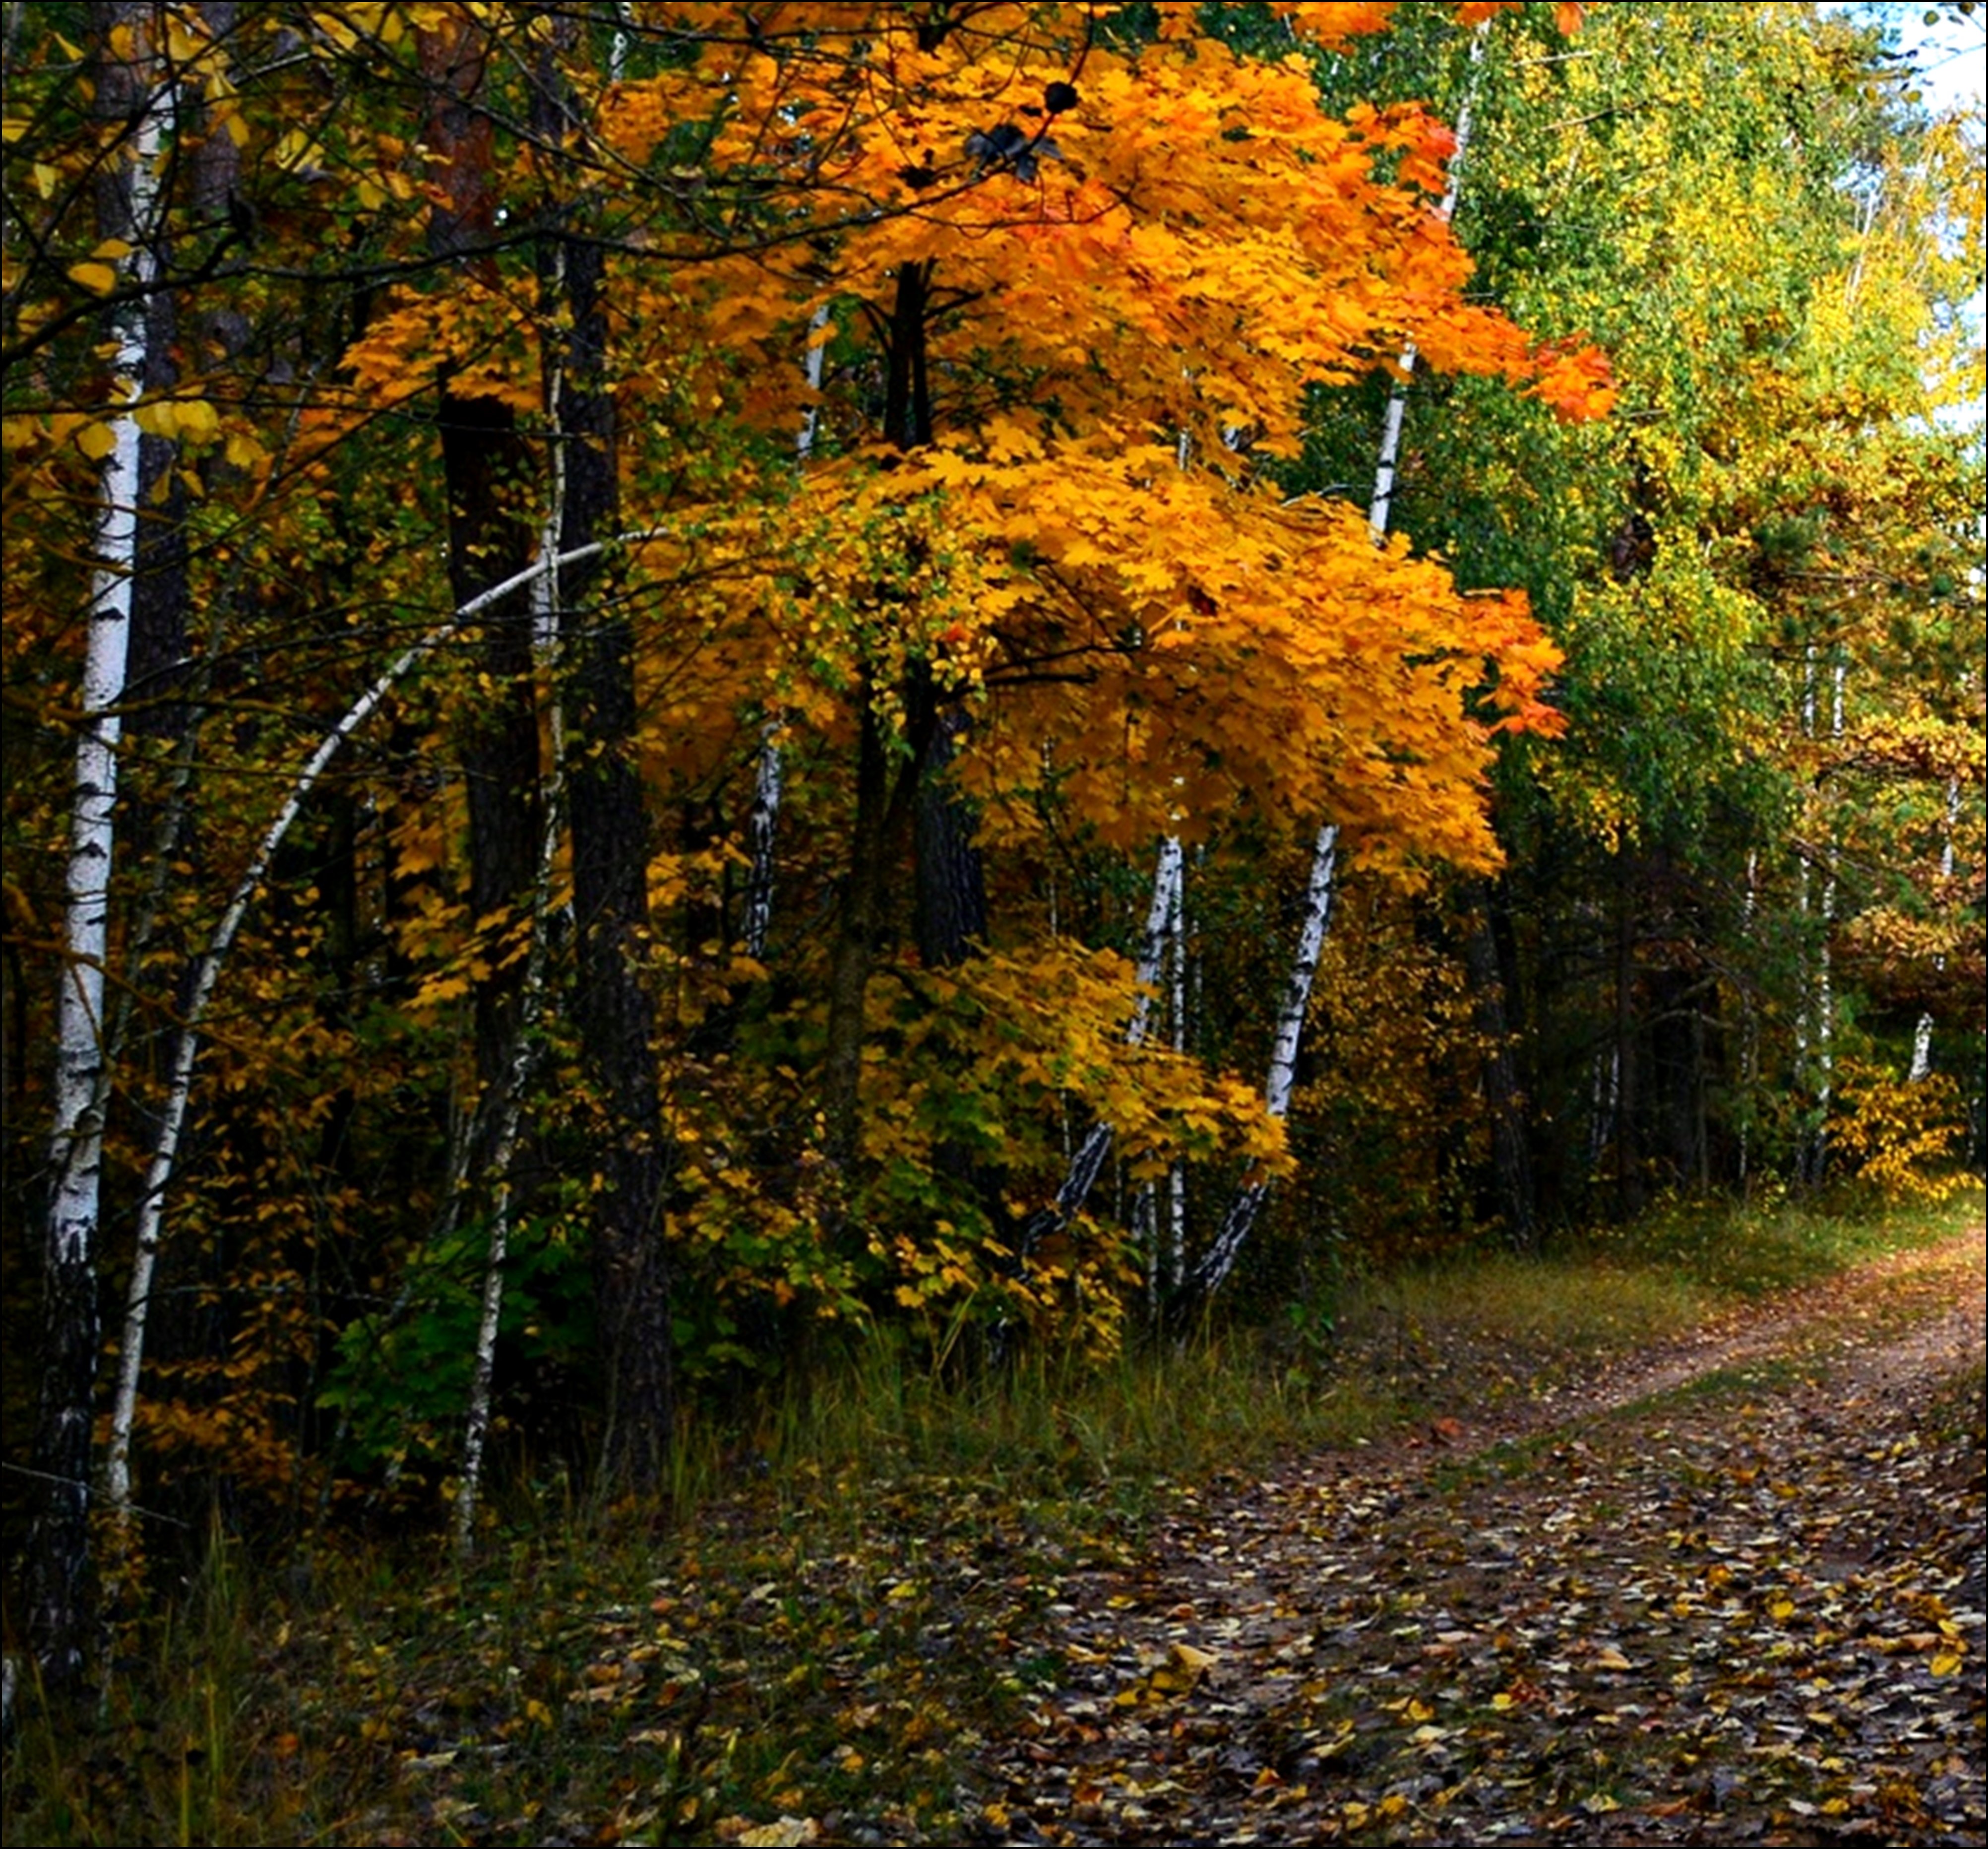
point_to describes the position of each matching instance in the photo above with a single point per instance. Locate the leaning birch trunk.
(531, 1011)
(1219, 1259)
(207, 973)
(1216, 1263)
(58, 1549)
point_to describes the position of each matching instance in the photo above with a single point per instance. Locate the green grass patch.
(1750, 1250)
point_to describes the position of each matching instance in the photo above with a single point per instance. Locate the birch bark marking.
(58, 1551)
(490, 536)
(1219, 1259)
(1386, 469)
(1922, 1065)
(545, 606)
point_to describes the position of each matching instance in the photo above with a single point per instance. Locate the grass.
(845, 1610)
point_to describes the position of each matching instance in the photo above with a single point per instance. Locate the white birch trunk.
(1816, 1027)
(1219, 1259)
(1176, 1214)
(530, 1013)
(1749, 1014)
(1381, 506)
(81, 1077)
(1163, 916)
(546, 611)
(207, 972)
(1089, 1161)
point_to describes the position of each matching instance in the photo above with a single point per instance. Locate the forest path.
(1732, 1593)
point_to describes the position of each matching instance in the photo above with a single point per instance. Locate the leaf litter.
(1734, 1596)
(1730, 1592)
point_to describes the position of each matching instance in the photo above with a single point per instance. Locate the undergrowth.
(836, 1615)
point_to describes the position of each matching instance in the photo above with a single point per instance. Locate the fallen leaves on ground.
(1731, 1593)
(1748, 1609)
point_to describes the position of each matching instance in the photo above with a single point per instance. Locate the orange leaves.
(1575, 378)
(1171, 646)
(1568, 15)
(1334, 24)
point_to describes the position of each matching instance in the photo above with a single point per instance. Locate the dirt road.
(1731, 1594)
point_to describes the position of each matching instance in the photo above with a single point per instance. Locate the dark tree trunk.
(1628, 1149)
(1511, 1158)
(880, 800)
(490, 538)
(952, 881)
(855, 951)
(611, 846)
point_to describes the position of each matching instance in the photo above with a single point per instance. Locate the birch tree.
(130, 85)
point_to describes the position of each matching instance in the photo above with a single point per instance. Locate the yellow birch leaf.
(96, 440)
(98, 278)
(199, 421)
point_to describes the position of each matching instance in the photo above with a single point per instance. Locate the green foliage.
(400, 1382)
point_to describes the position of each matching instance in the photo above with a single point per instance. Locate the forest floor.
(1732, 1593)
(1578, 1585)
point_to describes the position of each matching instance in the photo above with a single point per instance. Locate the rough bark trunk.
(880, 799)
(952, 881)
(612, 842)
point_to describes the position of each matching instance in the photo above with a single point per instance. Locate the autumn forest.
(695, 690)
